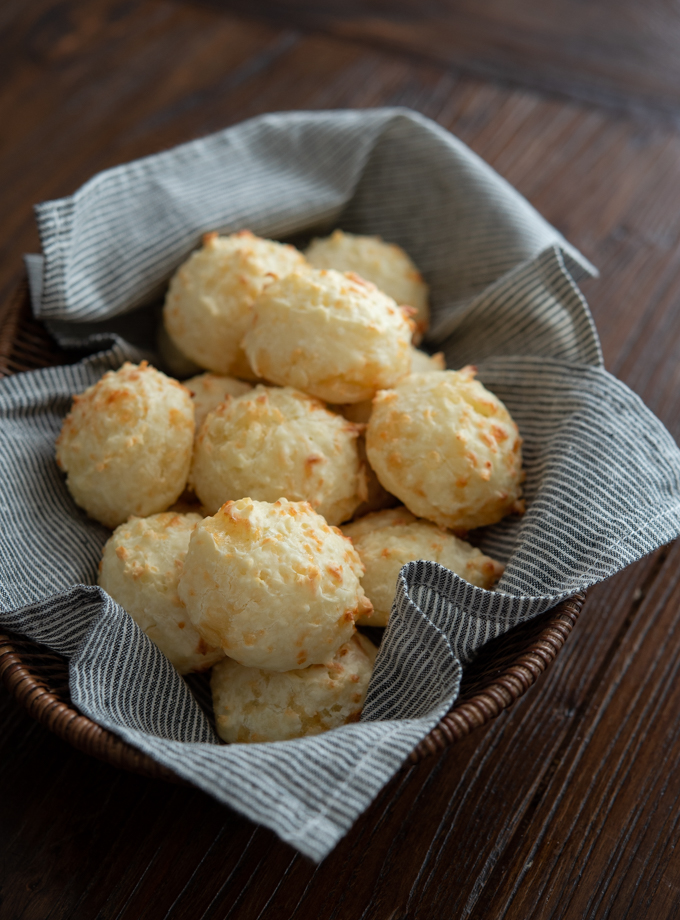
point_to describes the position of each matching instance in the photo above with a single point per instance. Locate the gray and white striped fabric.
(603, 475)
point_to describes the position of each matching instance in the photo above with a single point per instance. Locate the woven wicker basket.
(38, 678)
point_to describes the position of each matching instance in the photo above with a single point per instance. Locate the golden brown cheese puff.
(273, 585)
(278, 441)
(207, 307)
(448, 448)
(252, 705)
(388, 540)
(140, 569)
(126, 444)
(334, 336)
(384, 264)
(377, 497)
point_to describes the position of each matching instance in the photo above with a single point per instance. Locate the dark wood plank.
(621, 55)
(93, 84)
(603, 842)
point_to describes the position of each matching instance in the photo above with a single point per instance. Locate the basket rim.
(34, 694)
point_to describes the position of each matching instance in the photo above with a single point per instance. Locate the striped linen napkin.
(603, 474)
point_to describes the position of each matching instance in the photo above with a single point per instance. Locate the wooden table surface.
(567, 806)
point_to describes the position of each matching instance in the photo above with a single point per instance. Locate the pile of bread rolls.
(265, 507)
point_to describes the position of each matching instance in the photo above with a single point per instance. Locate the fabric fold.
(113, 245)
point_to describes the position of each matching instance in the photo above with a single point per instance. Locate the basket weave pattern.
(38, 678)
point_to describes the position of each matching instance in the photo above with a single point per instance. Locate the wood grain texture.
(616, 792)
(565, 806)
(621, 54)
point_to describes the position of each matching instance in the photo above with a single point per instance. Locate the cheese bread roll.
(278, 441)
(377, 497)
(126, 444)
(273, 585)
(140, 569)
(207, 307)
(331, 335)
(448, 448)
(388, 540)
(385, 264)
(252, 705)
